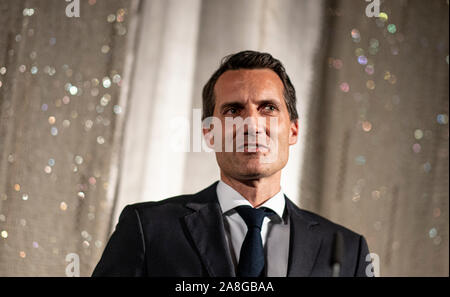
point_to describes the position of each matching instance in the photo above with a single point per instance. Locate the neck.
(256, 191)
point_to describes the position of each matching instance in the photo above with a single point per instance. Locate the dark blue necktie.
(251, 259)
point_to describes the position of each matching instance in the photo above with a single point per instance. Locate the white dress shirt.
(274, 231)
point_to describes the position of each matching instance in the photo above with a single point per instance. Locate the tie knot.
(253, 217)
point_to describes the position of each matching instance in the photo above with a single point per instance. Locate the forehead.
(234, 84)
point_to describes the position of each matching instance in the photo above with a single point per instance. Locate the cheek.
(282, 133)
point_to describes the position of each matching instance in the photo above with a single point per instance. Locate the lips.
(253, 148)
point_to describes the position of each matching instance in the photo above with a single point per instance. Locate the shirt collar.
(229, 198)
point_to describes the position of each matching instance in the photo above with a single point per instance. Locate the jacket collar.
(208, 233)
(305, 241)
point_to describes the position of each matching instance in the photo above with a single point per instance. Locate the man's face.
(252, 94)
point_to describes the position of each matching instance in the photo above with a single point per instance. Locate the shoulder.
(166, 206)
(175, 206)
(322, 224)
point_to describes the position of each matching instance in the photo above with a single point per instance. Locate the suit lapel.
(304, 242)
(207, 231)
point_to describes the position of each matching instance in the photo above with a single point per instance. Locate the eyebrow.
(238, 104)
(234, 104)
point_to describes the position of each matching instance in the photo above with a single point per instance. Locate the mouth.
(253, 148)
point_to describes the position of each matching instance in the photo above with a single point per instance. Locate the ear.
(293, 132)
(209, 137)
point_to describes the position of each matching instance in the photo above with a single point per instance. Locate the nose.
(254, 123)
(253, 126)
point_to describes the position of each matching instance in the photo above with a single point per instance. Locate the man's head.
(250, 60)
(253, 86)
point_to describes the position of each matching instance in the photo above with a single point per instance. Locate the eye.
(270, 107)
(231, 110)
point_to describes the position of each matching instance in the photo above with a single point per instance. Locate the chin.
(252, 171)
(247, 167)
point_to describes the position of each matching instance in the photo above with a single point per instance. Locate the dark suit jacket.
(184, 236)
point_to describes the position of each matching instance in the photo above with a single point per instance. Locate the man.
(242, 225)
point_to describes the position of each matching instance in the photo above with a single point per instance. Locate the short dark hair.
(249, 60)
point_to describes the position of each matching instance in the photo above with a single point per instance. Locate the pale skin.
(253, 93)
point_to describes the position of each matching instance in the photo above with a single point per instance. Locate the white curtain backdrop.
(180, 44)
